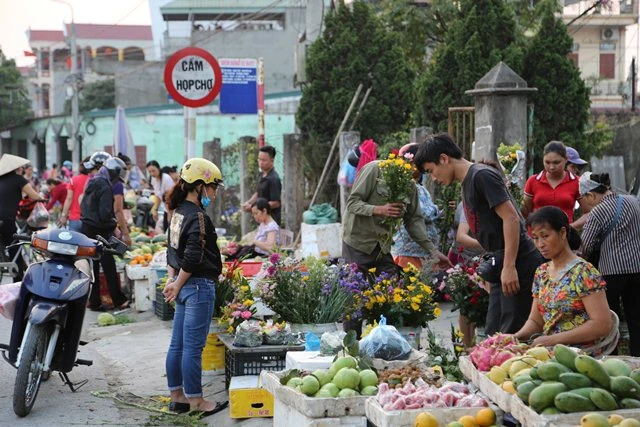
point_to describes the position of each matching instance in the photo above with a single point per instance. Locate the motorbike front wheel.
(30, 372)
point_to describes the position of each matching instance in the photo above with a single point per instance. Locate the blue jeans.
(191, 320)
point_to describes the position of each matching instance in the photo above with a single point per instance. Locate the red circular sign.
(193, 77)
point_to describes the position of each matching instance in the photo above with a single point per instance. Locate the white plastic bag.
(39, 217)
(9, 298)
(385, 342)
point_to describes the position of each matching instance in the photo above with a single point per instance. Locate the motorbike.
(46, 329)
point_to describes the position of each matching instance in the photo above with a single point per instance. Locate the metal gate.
(461, 128)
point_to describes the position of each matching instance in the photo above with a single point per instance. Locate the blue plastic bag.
(347, 174)
(311, 342)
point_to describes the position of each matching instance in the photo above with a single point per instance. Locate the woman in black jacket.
(194, 265)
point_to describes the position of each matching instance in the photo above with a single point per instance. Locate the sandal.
(219, 407)
(179, 407)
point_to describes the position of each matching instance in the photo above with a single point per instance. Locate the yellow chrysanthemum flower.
(392, 156)
(415, 307)
(372, 270)
(411, 288)
(413, 279)
(437, 312)
(248, 303)
(398, 162)
(397, 298)
(407, 166)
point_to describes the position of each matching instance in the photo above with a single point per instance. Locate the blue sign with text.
(239, 86)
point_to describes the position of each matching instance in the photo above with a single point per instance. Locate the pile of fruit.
(422, 395)
(512, 371)
(495, 350)
(342, 379)
(595, 419)
(578, 383)
(398, 378)
(143, 247)
(483, 418)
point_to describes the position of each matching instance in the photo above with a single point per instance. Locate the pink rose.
(246, 314)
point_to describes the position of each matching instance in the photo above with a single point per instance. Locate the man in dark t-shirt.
(269, 186)
(494, 219)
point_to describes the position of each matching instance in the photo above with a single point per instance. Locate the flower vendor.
(569, 303)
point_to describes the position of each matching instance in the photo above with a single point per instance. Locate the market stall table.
(241, 361)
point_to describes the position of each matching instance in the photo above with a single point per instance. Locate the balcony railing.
(607, 88)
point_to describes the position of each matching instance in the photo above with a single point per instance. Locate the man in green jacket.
(364, 231)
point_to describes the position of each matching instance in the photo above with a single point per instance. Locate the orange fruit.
(468, 421)
(425, 419)
(485, 417)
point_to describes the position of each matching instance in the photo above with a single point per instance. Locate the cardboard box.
(247, 398)
(213, 354)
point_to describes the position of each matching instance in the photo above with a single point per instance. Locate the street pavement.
(128, 362)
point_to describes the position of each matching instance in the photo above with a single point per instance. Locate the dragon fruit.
(495, 350)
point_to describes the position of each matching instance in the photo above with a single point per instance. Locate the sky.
(16, 16)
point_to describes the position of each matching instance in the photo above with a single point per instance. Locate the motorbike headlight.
(62, 248)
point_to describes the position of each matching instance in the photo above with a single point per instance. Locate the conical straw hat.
(9, 163)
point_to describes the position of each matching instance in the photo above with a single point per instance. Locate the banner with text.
(239, 79)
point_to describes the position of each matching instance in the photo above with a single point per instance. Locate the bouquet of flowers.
(302, 291)
(397, 176)
(467, 291)
(511, 158)
(241, 306)
(403, 299)
(449, 197)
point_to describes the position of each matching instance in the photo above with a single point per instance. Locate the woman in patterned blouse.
(569, 303)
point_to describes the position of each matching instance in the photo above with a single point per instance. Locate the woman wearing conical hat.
(12, 185)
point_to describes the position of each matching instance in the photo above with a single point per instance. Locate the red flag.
(28, 53)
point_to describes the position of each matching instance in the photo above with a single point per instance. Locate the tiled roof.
(112, 32)
(95, 31)
(45, 35)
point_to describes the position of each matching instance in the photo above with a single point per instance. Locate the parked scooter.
(48, 319)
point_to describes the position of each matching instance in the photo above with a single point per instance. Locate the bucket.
(317, 329)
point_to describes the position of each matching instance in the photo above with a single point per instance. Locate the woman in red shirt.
(554, 186)
(57, 193)
(75, 188)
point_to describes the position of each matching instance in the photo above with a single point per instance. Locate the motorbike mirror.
(117, 245)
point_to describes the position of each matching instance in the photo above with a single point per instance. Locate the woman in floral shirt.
(569, 303)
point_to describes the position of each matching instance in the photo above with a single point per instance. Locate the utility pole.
(73, 80)
(74, 145)
(633, 84)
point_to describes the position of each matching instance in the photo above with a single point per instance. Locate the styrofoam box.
(321, 240)
(288, 416)
(137, 273)
(405, 418)
(312, 407)
(307, 360)
(141, 294)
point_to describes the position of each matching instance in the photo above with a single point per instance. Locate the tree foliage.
(14, 103)
(561, 104)
(100, 95)
(482, 34)
(418, 28)
(354, 48)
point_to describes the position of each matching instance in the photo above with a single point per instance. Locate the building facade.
(97, 46)
(605, 40)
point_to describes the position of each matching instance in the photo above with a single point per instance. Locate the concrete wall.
(276, 47)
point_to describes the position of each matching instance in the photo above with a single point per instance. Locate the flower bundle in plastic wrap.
(276, 333)
(512, 161)
(248, 334)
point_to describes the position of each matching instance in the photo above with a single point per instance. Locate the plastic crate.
(161, 308)
(239, 363)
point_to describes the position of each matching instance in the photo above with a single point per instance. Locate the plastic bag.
(331, 342)
(385, 342)
(276, 334)
(39, 217)
(311, 342)
(9, 295)
(320, 214)
(248, 334)
(347, 174)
